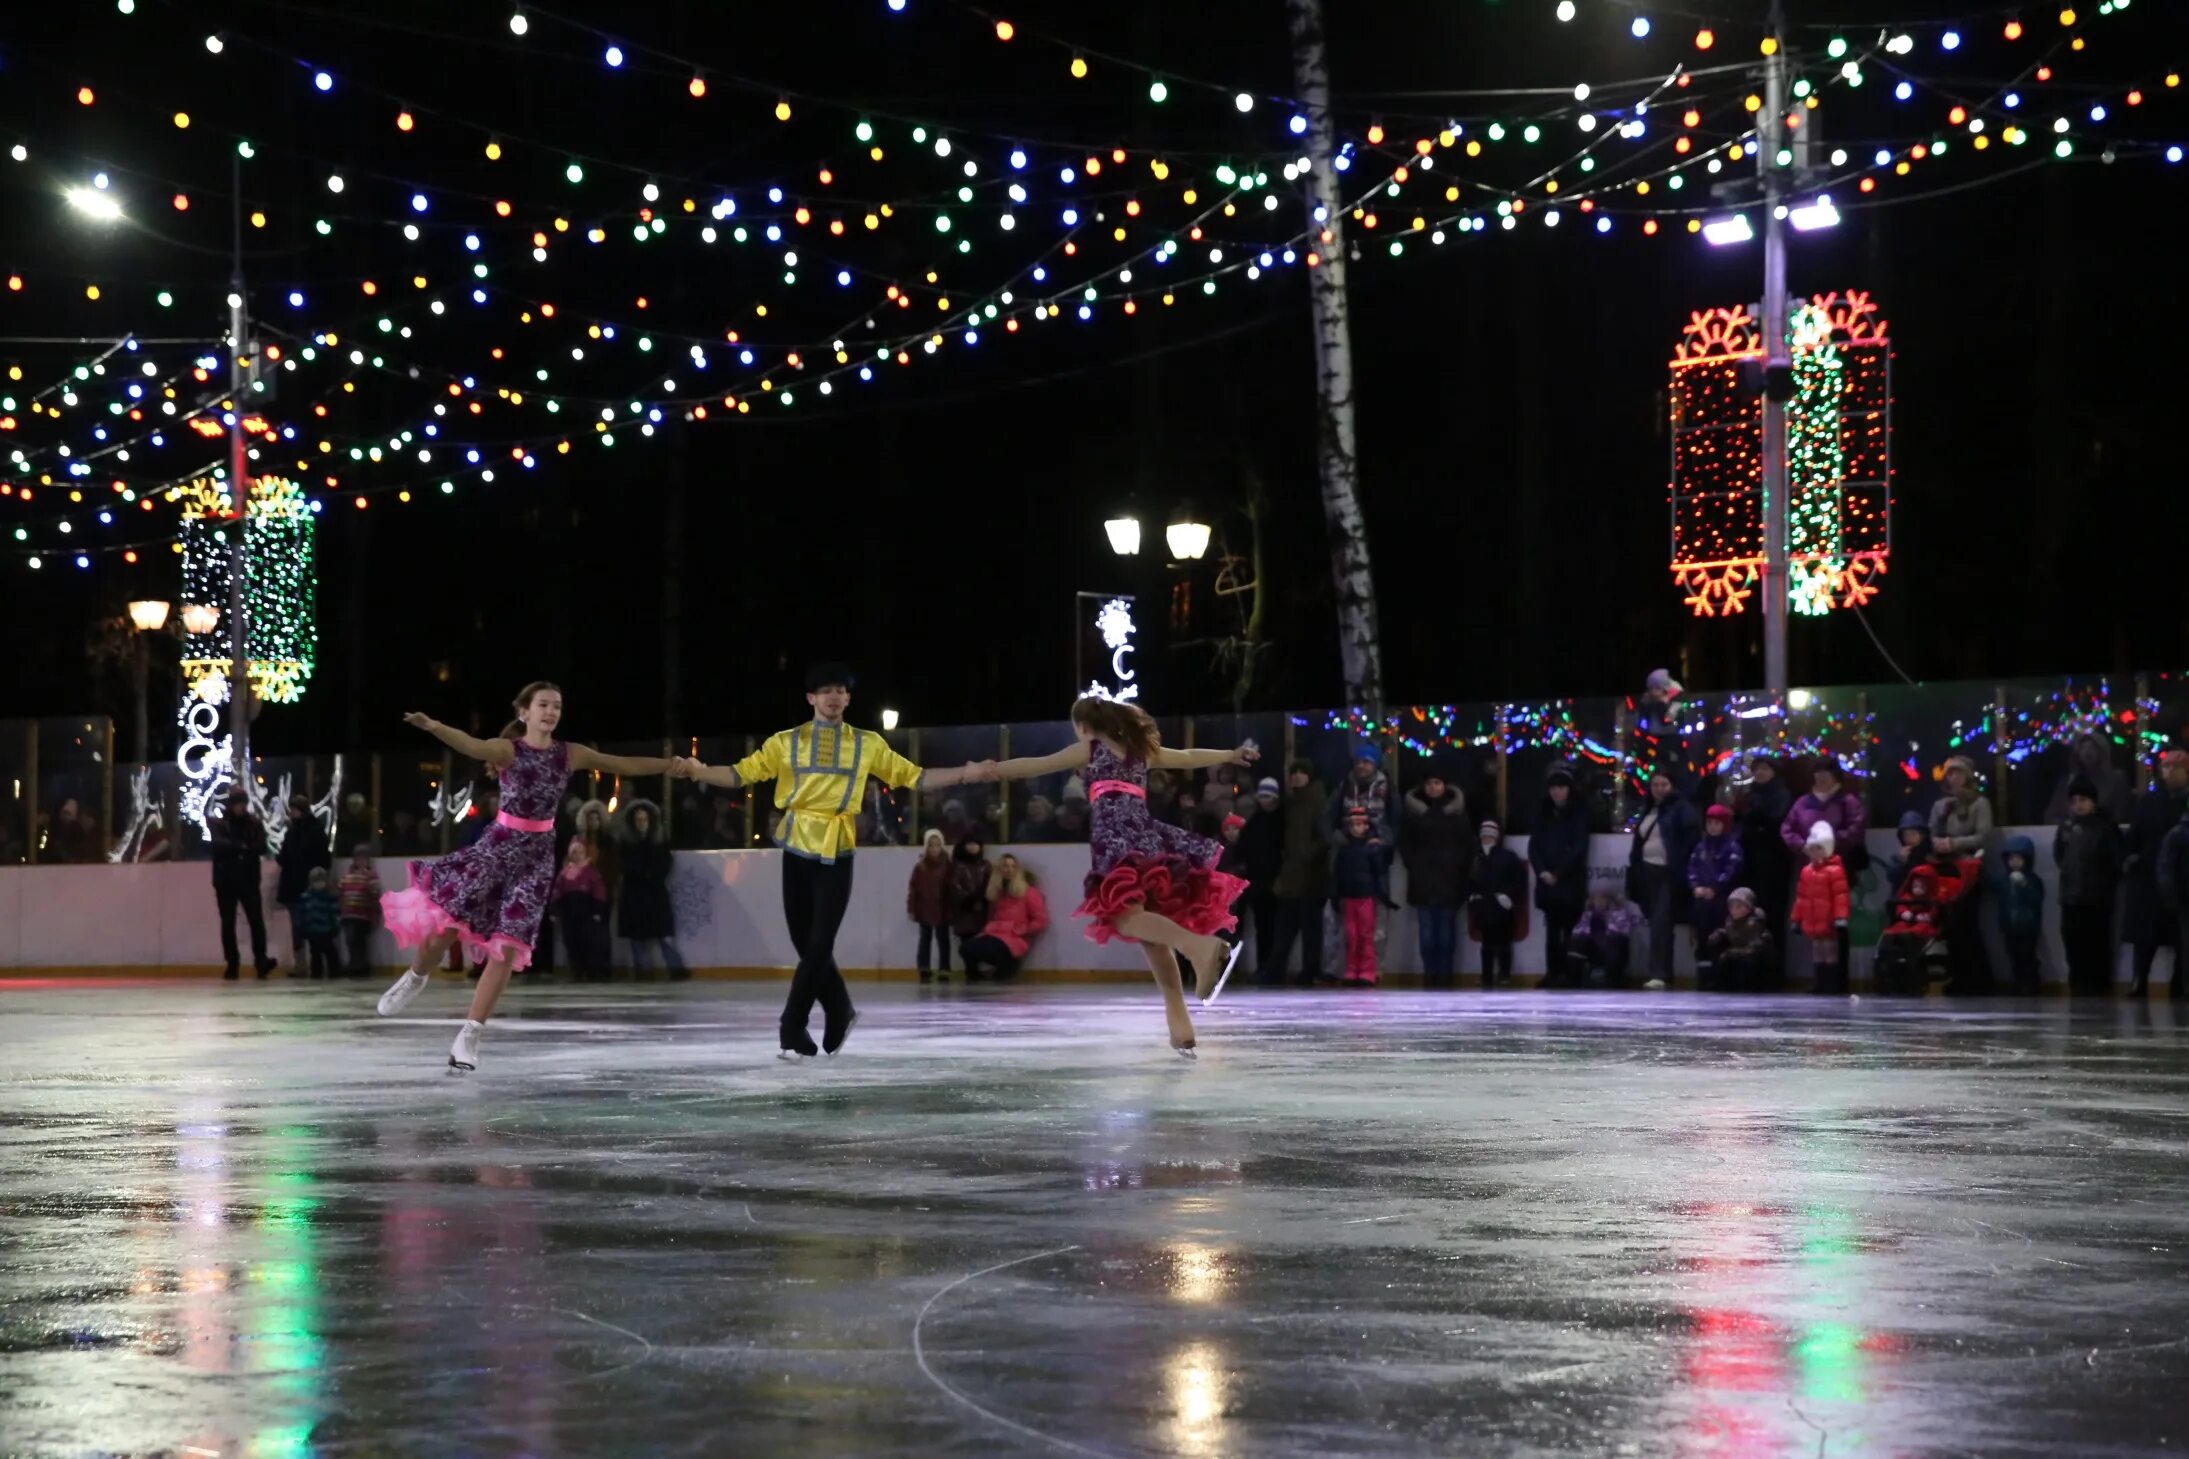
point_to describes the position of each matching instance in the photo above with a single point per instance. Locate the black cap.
(828, 672)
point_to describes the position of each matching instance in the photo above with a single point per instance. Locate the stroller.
(1912, 950)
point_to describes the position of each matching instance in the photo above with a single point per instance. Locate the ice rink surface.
(246, 1220)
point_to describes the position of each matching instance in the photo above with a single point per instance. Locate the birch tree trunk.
(1360, 640)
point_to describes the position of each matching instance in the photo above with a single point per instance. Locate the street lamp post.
(1777, 367)
(148, 616)
(239, 498)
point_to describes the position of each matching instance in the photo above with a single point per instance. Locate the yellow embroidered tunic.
(820, 773)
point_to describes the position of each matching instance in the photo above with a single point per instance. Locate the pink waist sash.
(518, 823)
(1117, 787)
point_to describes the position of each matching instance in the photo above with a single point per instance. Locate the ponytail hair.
(1122, 723)
(514, 730)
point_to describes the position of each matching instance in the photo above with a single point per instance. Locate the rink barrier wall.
(158, 920)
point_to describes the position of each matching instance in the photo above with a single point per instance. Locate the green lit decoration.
(1815, 465)
(280, 585)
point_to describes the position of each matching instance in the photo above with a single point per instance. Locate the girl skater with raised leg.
(1150, 883)
(490, 895)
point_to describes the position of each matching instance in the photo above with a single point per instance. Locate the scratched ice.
(256, 1221)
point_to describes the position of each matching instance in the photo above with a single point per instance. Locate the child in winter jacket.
(1017, 914)
(1714, 867)
(2088, 850)
(581, 907)
(1820, 906)
(927, 903)
(1602, 940)
(1495, 888)
(358, 894)
(2022, 912)
(1737, 954)
(319, 917)
(1361, 880)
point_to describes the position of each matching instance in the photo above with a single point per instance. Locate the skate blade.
(1225, 977)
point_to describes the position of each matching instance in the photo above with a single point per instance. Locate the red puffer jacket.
(1821, 898)
(1017, 921)
(927, 900)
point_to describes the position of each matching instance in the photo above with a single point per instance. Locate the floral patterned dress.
(493, 892)
(1143, 864)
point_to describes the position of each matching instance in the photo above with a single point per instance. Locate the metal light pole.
(239, 497)
(1778, 366)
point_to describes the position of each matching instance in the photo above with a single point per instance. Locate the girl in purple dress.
(1151, 883)
(490, 895)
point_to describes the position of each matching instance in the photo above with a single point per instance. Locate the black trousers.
(987, 955)
(815, 894)
(326, 962)
(1261, 909)
(1299, 919)
(934, 943)
(1559, 915)
(254, 912)
(2086, 933)
(357, 936)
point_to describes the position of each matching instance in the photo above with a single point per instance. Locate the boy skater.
(820, 772)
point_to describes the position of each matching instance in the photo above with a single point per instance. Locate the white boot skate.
(401, 991)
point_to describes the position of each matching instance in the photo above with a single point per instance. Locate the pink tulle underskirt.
(413, 917)
(1197, 898)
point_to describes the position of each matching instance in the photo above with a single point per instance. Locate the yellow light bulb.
(493, 151)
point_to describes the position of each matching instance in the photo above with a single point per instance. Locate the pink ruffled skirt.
(1197, 898)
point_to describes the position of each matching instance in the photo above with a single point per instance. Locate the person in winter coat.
(1713, 869)
(581, 910)
(1017, 914)
(1437, 845)
(321, 916)
(1664, 838)
(358, 896)
(1915, 848)
(1820, 907)
(73, 841)
(968, 890)
(927, 903)
(2173, 881)
(1038, 826)
(1736, 957)
(1559, 852)
(1495, 886)
(1961, 822)
(596, 827)
(1831, 803)
(1961, 829)
(1262, 845)
(1602, 939)
(1761, 807)
(304, 850)
(2088, 850)
(2147, 925)
(2021, 911)
(2092, 764)
(645, 915)
(1303, 881)
(1366, 788)
(238, 843)
(1361, 881)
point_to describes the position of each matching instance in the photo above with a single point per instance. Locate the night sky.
(933, 525)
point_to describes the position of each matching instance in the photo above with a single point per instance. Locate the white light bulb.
(518, 25)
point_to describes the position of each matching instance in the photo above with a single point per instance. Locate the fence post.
(1623, 747)
(752, 801)
(2135, 751)
(1003, 788)
(1862, 718)
(912, 835)
(1292, 752)
(106, 793)
(1999, 754)
(448, 778)
(1504, 767)
(668, 796)
(30, 793)
(373, 809)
